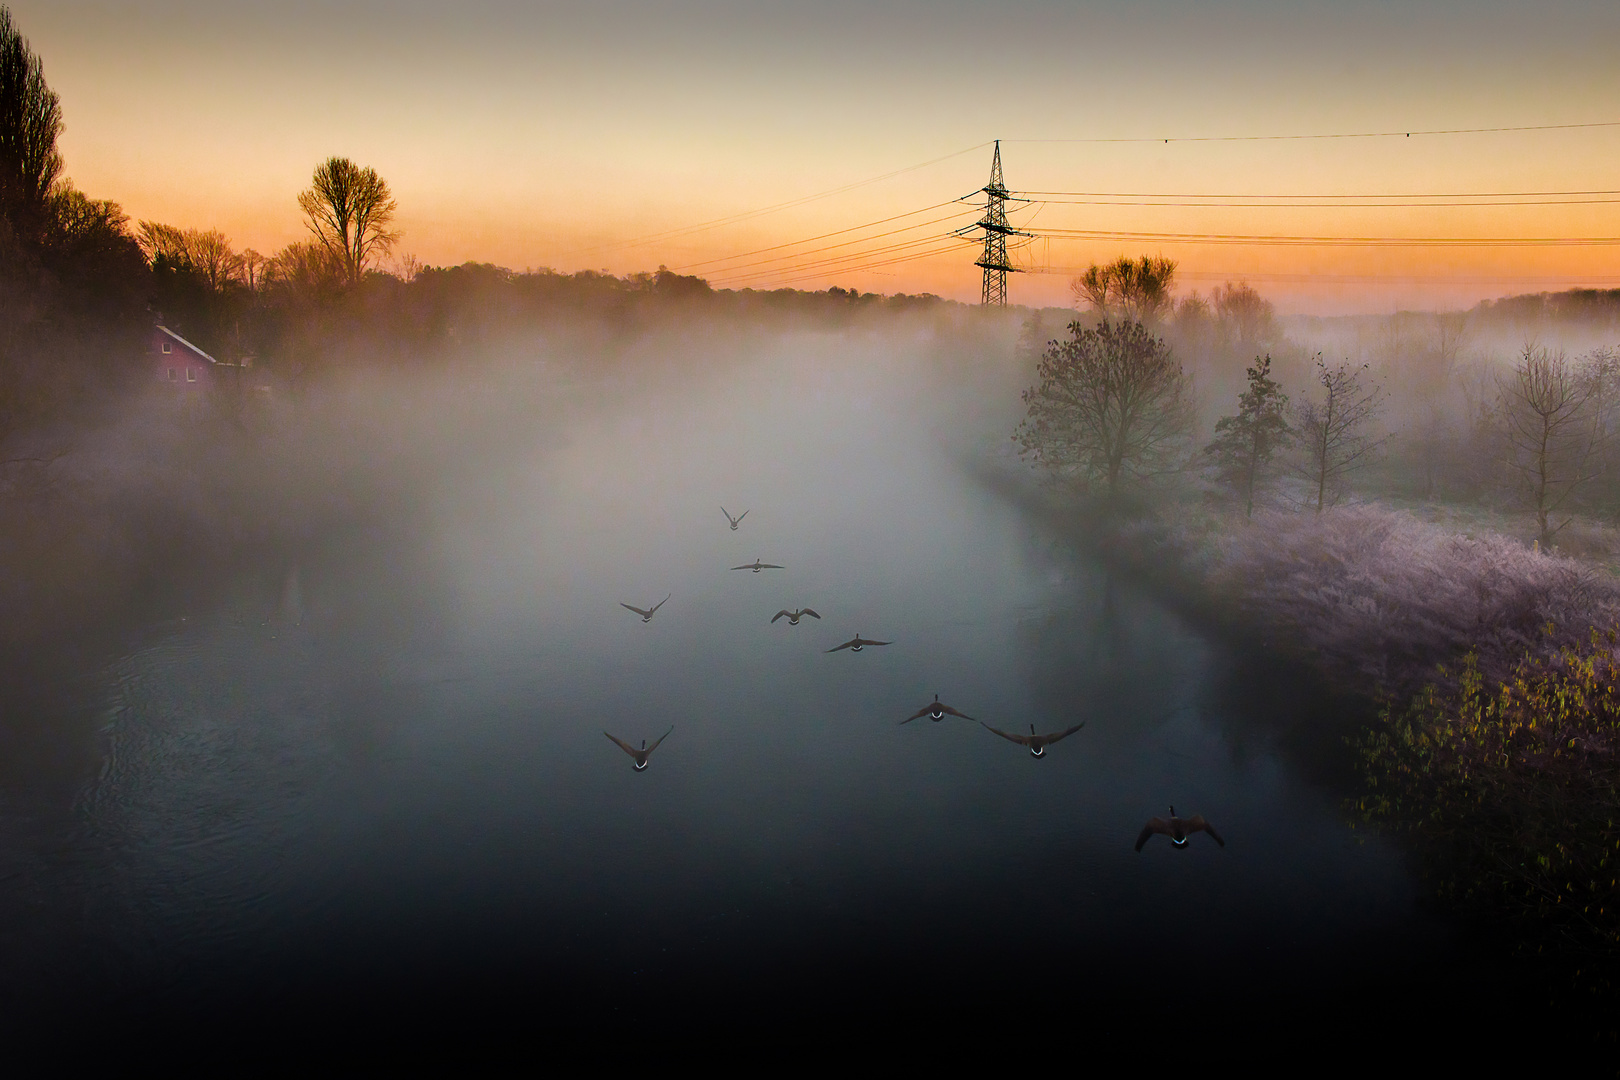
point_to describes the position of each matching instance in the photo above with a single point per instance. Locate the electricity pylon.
(996, 230)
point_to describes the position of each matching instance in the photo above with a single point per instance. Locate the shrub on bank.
(1379, 598)
(1512, 789)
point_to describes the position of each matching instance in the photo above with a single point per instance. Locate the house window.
(171, 374)
(167, 347)
(191, 374)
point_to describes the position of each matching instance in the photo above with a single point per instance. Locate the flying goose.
(1177, 829)
(793, 617)
(1037, 743)
(735, 521)
(646, 616)
(857, 643)
(756, 566)
(937, 712)
(644, 753)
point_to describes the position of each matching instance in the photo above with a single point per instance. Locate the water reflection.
(398, 782)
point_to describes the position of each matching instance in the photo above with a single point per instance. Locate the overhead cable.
(823, 236)
(1335, 135)
(745, 215)
(1335, 241)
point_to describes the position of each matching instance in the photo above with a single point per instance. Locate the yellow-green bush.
(1511, 793)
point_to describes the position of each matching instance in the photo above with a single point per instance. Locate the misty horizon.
(742, 523)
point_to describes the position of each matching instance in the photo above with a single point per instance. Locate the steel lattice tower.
(996, 231)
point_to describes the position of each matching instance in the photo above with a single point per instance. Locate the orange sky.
(558, 135)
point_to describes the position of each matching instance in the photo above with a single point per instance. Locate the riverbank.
(1372, 597)
(1488, 674)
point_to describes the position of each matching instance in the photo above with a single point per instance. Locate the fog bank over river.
(377, 774)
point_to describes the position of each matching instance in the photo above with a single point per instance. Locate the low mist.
(361, 748)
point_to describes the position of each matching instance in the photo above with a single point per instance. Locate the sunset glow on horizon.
(601, 137)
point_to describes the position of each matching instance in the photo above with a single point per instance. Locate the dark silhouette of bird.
(756, 566)
(646, 616)
(1177, 829)
(793, 617)
(644, 753)
(937, 712)
(857, 643)
(735, 521)
(1037, 743)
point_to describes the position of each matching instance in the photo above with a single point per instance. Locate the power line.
(1567, 280)
(1309, 195)
(846, 258)
(833, 247)
(930, 253)
(1336, 135)
(1335, 241)
(732, 219)
(823, 236)
(822, 265)
(1322, 205)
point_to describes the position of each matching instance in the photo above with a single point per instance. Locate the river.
(374, 782)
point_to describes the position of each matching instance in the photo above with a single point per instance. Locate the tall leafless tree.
(1333, 431)
(252, 268)
(1544, 406)
(1113, 404)
(1127, 290)
(350, 209)
(1245, 318)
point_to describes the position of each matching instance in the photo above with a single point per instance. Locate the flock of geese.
(1176, 828)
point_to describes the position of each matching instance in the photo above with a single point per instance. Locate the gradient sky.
(538, 134)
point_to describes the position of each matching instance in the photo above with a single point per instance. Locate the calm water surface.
(379, 776)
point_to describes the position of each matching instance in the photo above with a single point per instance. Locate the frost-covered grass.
(1379, 598)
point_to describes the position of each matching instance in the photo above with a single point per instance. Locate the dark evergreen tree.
(1245, 443)
(30, 121)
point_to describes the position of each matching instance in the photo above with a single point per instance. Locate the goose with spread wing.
(857, 643)
(756, 566)
(1177, 829)
(646, 615)
(644, 753)
(1037, 743)
(735, 521)
(793, 617)
(936, 712)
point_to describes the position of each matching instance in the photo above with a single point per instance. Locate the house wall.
(180, 367)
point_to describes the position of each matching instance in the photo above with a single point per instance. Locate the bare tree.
(30, 121)
(1245, 317)
(208, 254)
(350, 210)
(1601, 371)
(1430, 386)
(1332, 432)
(213, 257)
(159, 240)
(251, 267)
(1544, 406)
(303, 268)
(1113, 404)
(1128, 290)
